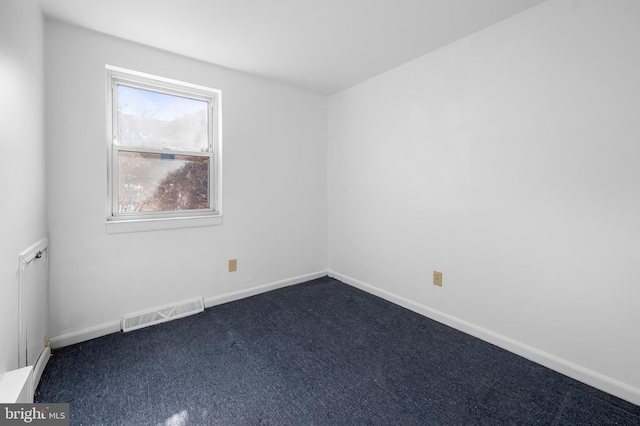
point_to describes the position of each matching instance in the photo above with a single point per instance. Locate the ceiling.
(320, 45)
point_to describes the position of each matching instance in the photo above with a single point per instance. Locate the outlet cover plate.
(437, 278)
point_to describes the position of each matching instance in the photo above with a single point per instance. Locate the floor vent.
(162, 314)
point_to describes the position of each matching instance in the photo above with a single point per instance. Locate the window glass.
(159, 120)
(151, 182)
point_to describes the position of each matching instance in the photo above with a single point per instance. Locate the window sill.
(142, 225)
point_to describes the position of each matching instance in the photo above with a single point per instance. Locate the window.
(163, 153)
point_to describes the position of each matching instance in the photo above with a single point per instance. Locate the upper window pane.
(152, 119)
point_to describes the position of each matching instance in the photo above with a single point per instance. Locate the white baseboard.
(237, 295)
(38, 369)
(577, 372)
(83, 335)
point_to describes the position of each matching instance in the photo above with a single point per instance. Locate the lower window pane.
(162, 182)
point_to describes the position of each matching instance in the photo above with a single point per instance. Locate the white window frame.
(132, 222)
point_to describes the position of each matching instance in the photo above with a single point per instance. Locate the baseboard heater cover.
(162, 314)
(16, 386)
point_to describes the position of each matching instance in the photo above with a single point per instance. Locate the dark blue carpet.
(318, 353)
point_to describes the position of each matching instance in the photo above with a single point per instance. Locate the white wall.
(274, 189)
(22, 175)
(510, 161)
